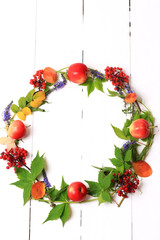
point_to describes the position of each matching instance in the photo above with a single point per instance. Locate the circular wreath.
(128, 163)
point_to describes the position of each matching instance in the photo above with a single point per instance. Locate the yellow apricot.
(21, 116)
(26, 111)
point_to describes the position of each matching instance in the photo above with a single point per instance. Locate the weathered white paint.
(36, 34)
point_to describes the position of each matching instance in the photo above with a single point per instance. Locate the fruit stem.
(61, 69)
(138, 106)
(72, 202)
(153, 126)
(121, 202)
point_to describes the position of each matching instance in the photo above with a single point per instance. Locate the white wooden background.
(36, 34)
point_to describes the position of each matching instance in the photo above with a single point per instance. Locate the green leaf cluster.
(23, 102)
(101, 189)
(61, 210)
(94, 83)
(27, 178)
(122, 160)
(114, 94)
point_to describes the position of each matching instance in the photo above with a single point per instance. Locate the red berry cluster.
(15, 158)
(127, 183)
(38, 80)
(116, 76)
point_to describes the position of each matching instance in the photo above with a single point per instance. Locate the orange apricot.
(38, 190)
(130, 98)
(50, 75)
(142, 168)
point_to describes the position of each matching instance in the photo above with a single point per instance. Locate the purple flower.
(45, 179)
(60, 84)
(97, 74)
(46, 182)
(127, 144)
(6, 113)
(128, 88)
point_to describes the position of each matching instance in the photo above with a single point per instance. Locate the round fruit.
(50, 75)
(77, 191)
(16, 130)
(77, 73)
(139, 128)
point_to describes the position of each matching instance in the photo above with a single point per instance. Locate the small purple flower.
(6, 113)
(60, 84)
(127, 144)
(119, 90)
(97, 74)
(46, 182)
(45, 179)
(128, 88)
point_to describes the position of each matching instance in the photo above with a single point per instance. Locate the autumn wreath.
(128, 163)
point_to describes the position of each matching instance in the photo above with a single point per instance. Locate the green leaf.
(112, 93)
(63, 196)
(120, 133)
(37, 109)
(14, 108)
(27, 192)
(53, 194)
(136, 115)
(98, 84)
(100, 199)
(37, 166)
(89, 79)
(125, 127)
(30, 95)
(22, 102)
(128, 155)
(106, 196)
(135, 154)
(21, 183)
(65, 214)
(104, 181)
(90, 87)
(23, 174)
(118, 153)
(121, 169)
(116, 162)
(127, 165)
(55, 213)
(142, 154)
(58, 195)
(94, 188)
(63, 183)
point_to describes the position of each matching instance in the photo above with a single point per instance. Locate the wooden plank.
(59, 26)
(106, 43)
(17, 45)
(145, 53)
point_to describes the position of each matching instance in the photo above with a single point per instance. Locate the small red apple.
(77, 73)
(139, 128)
(16, 130)
(77, 191)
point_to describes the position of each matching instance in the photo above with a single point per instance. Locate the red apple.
(77, 73)
(139, 128)
(77, 191)
(50, 75)
(16, 130)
